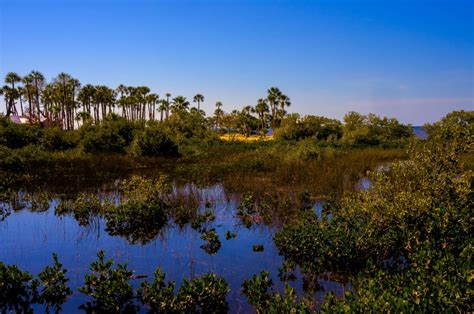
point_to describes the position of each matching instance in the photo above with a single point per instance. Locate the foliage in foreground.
(258, 291)
(110, 290)
(19, 289)
(108, 287)
(407, 240)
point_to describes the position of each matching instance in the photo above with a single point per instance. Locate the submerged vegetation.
(359, 202)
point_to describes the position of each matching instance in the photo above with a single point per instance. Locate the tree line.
(66, 103)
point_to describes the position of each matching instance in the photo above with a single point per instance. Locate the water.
(29, 239)
(420, 132)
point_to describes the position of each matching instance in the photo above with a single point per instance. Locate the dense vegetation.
(404, 243)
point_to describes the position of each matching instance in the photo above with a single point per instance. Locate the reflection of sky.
(29, 239)
(412, 59)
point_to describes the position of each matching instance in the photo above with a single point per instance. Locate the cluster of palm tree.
(268, 112)
(30, 92)
(65, 103)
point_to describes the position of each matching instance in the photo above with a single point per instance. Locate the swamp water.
(29, 237)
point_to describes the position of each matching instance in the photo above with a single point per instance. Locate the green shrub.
(318, 128)
(14, 135)
(109, 288)
(258, 291)
(54, 285)
(104, 139)
(407, 239)
(18, 289)
(365, 130)
(158, 295)
(205, 294)
(112, 135)
(55, 139)
(153, 142)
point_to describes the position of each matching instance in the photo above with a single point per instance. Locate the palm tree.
(86, 97)
(152, 100)
(122, 90)
(246, 119)
(28, 90)
(262, 109)
(180, 104)
(284, 102)
(168, 105)
(142, 92)
(198, 98)
(12, 93)
(83, 116)
(21, 91)
(38, 84)
(218, 112)
(273, 99)
(163, 107)
(2, 92)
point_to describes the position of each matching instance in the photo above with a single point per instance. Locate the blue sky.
(410, 59)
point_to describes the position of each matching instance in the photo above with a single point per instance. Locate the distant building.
(19, 119)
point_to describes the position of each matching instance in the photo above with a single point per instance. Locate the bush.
(18, 289)
(319, 128)
(365, 130)
(407, 240)
(54, 139)
(54, 281)
(205, 294)
(104, 139)
(112, 135)
(258, 291)
(14, 135)
(109, 288)
(154, 141)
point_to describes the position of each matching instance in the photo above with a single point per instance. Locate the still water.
(29, 239)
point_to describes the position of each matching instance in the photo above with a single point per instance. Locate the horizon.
(410, 60)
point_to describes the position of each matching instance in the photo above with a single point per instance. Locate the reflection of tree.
(84, 208)
(138, 222)
(11, 200)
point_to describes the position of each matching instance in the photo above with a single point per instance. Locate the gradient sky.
(410, 59)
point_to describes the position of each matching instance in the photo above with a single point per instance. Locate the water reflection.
(151, 237)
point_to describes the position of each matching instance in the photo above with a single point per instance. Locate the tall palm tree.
(284, 102)
(83, 116)
(142, 92)
(21, 91)
(152, 100)
(273, 99)
(163, 107)
(12, 93)
(198, 98)
(38, 84)
(168, 105)
(246, 119)
(2, 92)
(122, 90)
(218, 112)
(262, 109)
(180, 104)
(28, 91)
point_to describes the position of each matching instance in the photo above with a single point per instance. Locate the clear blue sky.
(410, 59)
